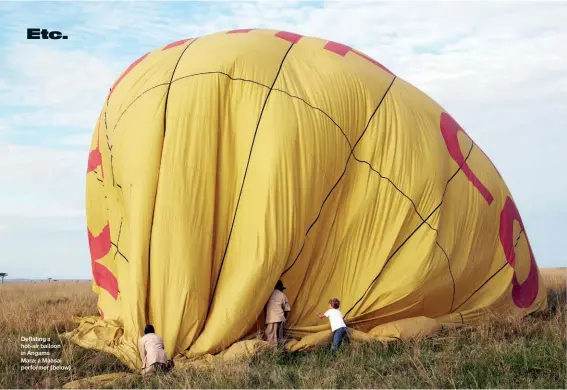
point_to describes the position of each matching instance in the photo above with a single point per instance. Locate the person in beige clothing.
(277, 309)
(152, 351)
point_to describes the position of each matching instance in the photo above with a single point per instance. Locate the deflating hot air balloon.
(222, 164)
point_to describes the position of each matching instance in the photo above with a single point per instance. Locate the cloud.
(497, 67)
(44, 247)
(38, 181)
(77, 140)
(53, 87)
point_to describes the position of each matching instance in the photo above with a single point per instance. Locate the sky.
(499, 68)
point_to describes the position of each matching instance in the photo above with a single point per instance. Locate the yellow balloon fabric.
(224, 163)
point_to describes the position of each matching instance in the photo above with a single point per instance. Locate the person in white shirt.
(152, 352)
(338, 326)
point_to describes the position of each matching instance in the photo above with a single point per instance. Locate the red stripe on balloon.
(289, 36)
(175, 44)
(132, 66)
(523, 294)
(99, 245)
(449, 131)
(240, 31)
(105, 279)
(342, 50)
(337, 48)
(95, 160)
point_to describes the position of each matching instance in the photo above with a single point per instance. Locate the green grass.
(526, 353)
(451, 360)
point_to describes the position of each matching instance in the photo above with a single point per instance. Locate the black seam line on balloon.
(416, 229)
(182, 78)
(118, 242)
(317, 109)
(517, 240)
(354, 155)
(224, 74)
(98, 142)
(462, 320)
(244, 178)
(440, 246)
(118, 252)
(313, 107)
(112, 169)
(450, 272)
(119, 231)
(400, 191)
(109, 147)
(411, 235)
(157, 182)
(106, 134)
(361, 161)
(482, 285)
(134, 101)
(342, 174)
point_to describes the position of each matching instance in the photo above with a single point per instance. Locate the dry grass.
(30, 308)
(46, 310)
(555, 278)
(503, 353)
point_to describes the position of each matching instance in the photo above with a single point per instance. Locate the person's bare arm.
(320, 315)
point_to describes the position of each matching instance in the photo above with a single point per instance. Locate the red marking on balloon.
(176, 43)
(100, 246)
(289, 36)
(132, 66)
(523, 294)
(343, 50)
(105, 279)
(449, 130)
(240, 31)
(337, 48)
(95, 159)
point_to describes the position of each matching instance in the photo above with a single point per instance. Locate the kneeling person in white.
(338, 325)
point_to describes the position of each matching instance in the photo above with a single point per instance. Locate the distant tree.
(3, 275)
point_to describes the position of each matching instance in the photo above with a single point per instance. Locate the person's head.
(149, 329)
(280, 286)
(334, 303)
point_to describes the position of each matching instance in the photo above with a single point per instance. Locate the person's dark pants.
(338, 337)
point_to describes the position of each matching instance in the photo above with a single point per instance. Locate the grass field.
(527, 353)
